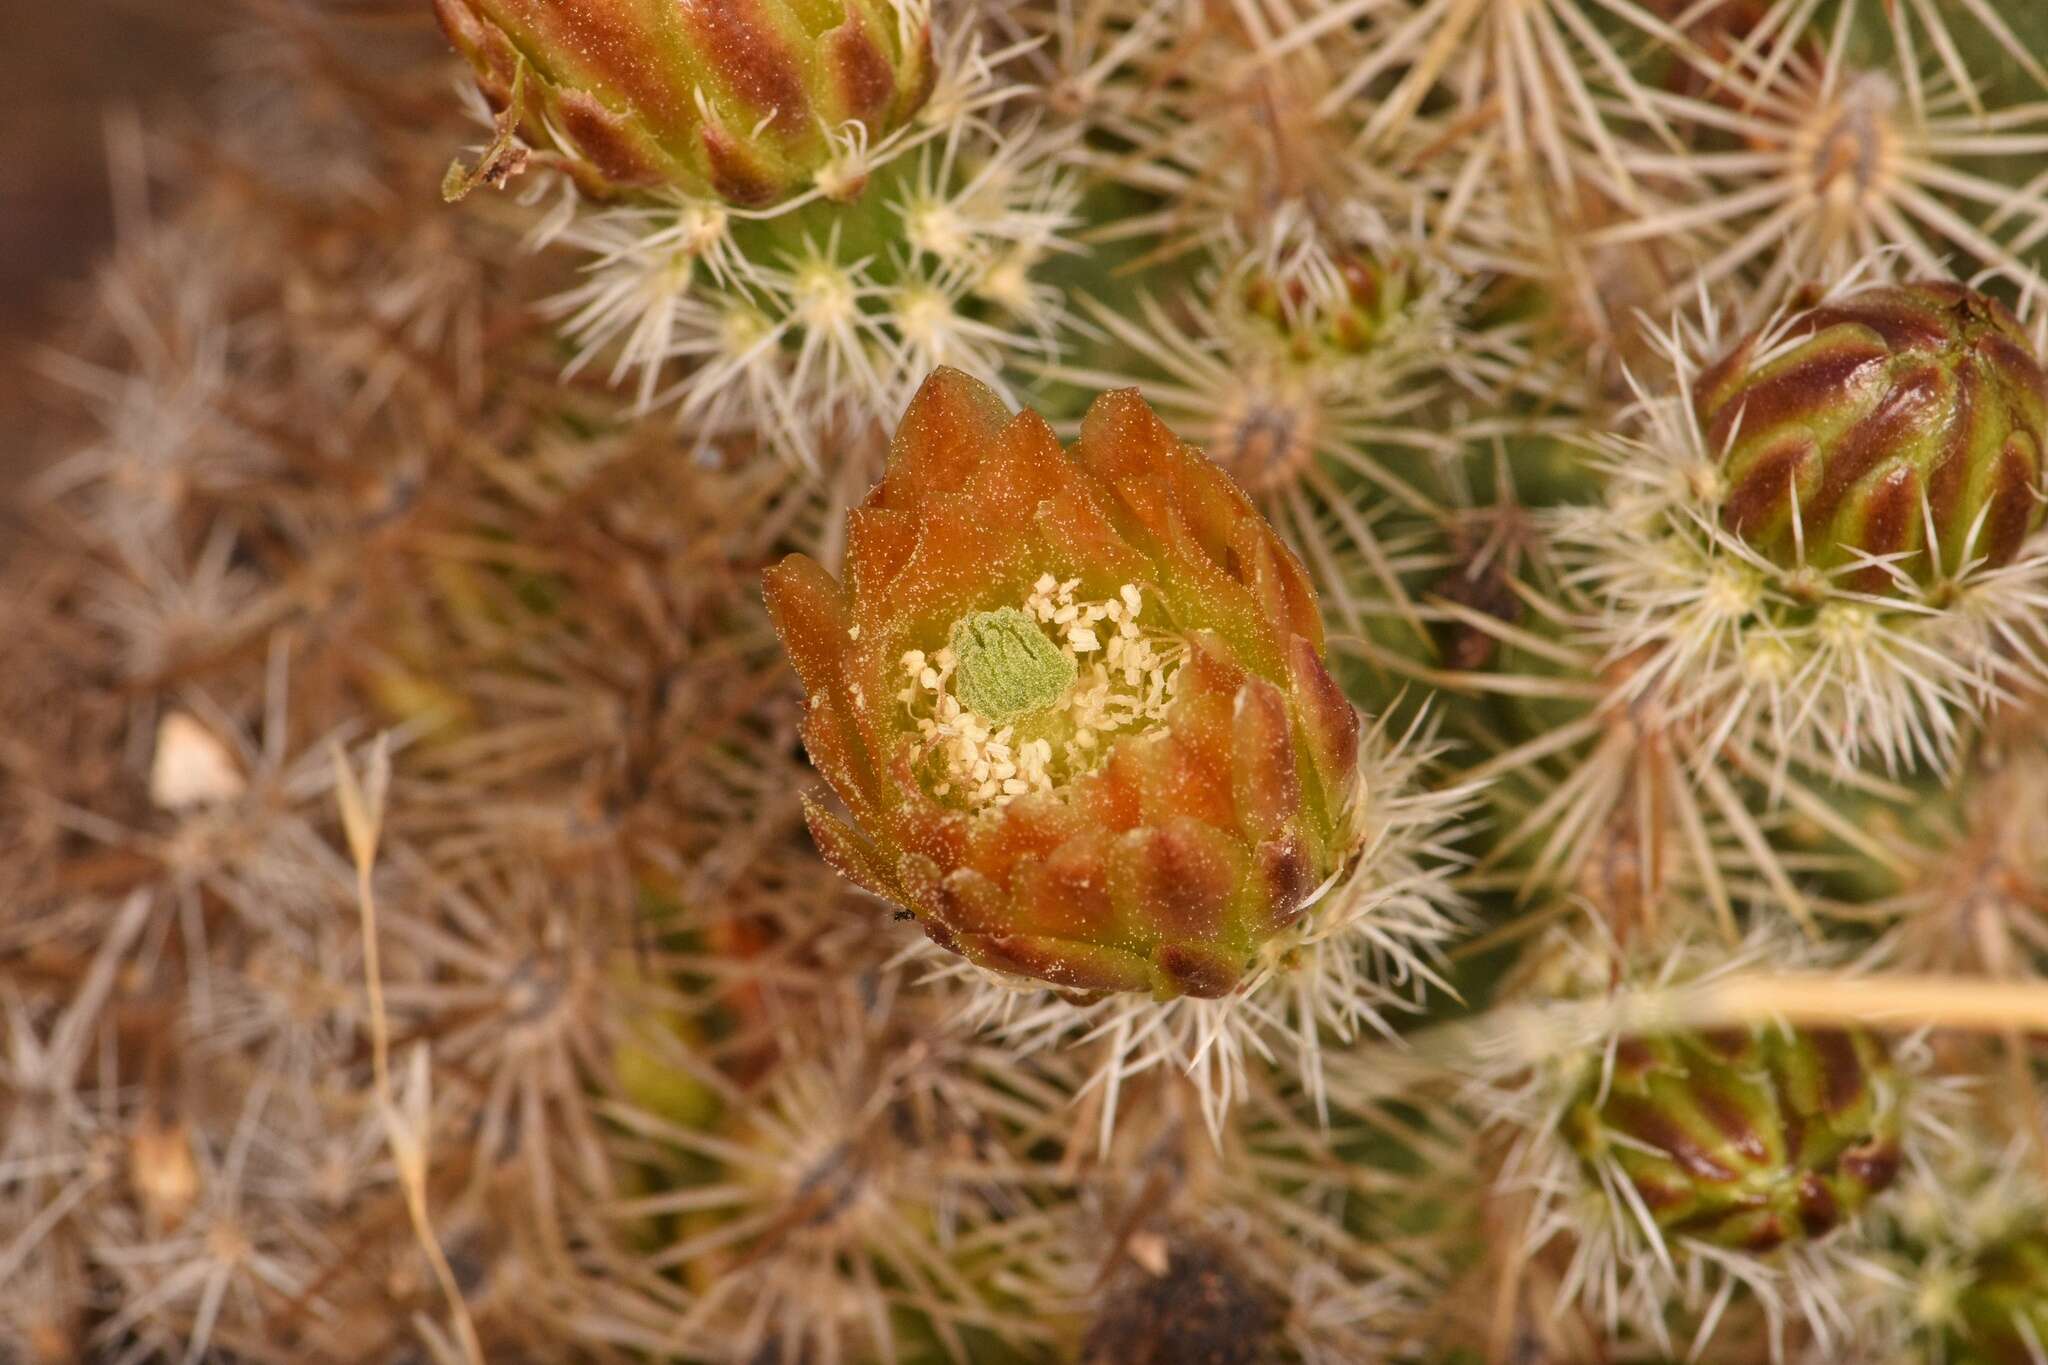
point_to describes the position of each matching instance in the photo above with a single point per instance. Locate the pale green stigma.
(1007, 665)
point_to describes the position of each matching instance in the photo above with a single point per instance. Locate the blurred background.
(64, 70)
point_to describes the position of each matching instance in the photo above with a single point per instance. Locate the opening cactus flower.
(1075, 700)
(1904, 420)
(746, 100)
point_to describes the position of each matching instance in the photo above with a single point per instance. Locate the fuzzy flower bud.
(1075, 700)
(1745, 1139)
(741, 99)
(1870, 422)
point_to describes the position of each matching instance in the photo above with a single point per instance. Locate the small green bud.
(1745, 1139)
(1375, 293)
(1008, 666)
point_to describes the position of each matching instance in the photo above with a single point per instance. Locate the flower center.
(1006, 665)
(1023, 700)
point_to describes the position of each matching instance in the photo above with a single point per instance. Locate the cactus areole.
(1074, 701)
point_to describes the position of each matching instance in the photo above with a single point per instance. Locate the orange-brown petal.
(1326, 717)
(947, 430)
(1263, 775)
(1063, 962)
(848, 852)
(1176, 879)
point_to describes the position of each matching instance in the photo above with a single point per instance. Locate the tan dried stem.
(362, 818)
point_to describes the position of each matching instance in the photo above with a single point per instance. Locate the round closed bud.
(1904, 420)
(1744, 1139)
(741, 99)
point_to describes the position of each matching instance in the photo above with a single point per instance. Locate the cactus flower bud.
(1074, 700)
(1837, 428)
(1372, 295)
(736, 98)
(1745, 1139)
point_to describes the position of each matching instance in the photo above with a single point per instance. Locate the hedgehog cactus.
(1444, 801)
(1837, 427)
(740, 99)
(1074, 701)
(1745, 1139)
